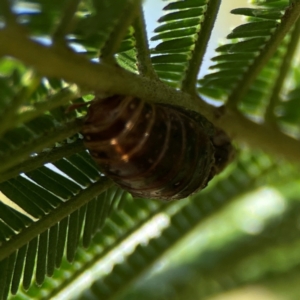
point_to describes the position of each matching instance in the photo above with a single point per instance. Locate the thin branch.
(71, 67)
(189, 82)
(288, 20)
(259, 136)
(145, 66)
(120, 29)
(62, 97)
(48, 156)
(112, 79)
(270, 117)
(66, 20)
(47, 140)
(64, 210)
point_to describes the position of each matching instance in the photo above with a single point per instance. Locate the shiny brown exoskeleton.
(154, 150)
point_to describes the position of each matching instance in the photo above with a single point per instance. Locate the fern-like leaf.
(178, 31)
(250, 41)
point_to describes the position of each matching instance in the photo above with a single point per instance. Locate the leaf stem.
(48, 139)
(112, 79)
(270, 117)
(189, 82)
(104, 77)
(259, 136)
(287, 21)
(67, 149)
(145, 66)
(64, 210)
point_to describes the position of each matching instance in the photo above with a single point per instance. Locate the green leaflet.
(178, 33)
(236, 57)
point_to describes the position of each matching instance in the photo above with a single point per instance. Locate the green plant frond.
(47, 156)
(224, 263)
(178, 31)
(114, 231)
(127, 43)
(126, 55)
(21, 143)
(127, 60)
(182, 221)
(86, 26)
(36, 109)
(93, 27)
(248, 42)
(45, 191)
(35, 112)
(31, 96)
(117, 40)
(46, 251)
(257, 98)
(110, 35)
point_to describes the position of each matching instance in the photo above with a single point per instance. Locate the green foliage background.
(60, 218)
